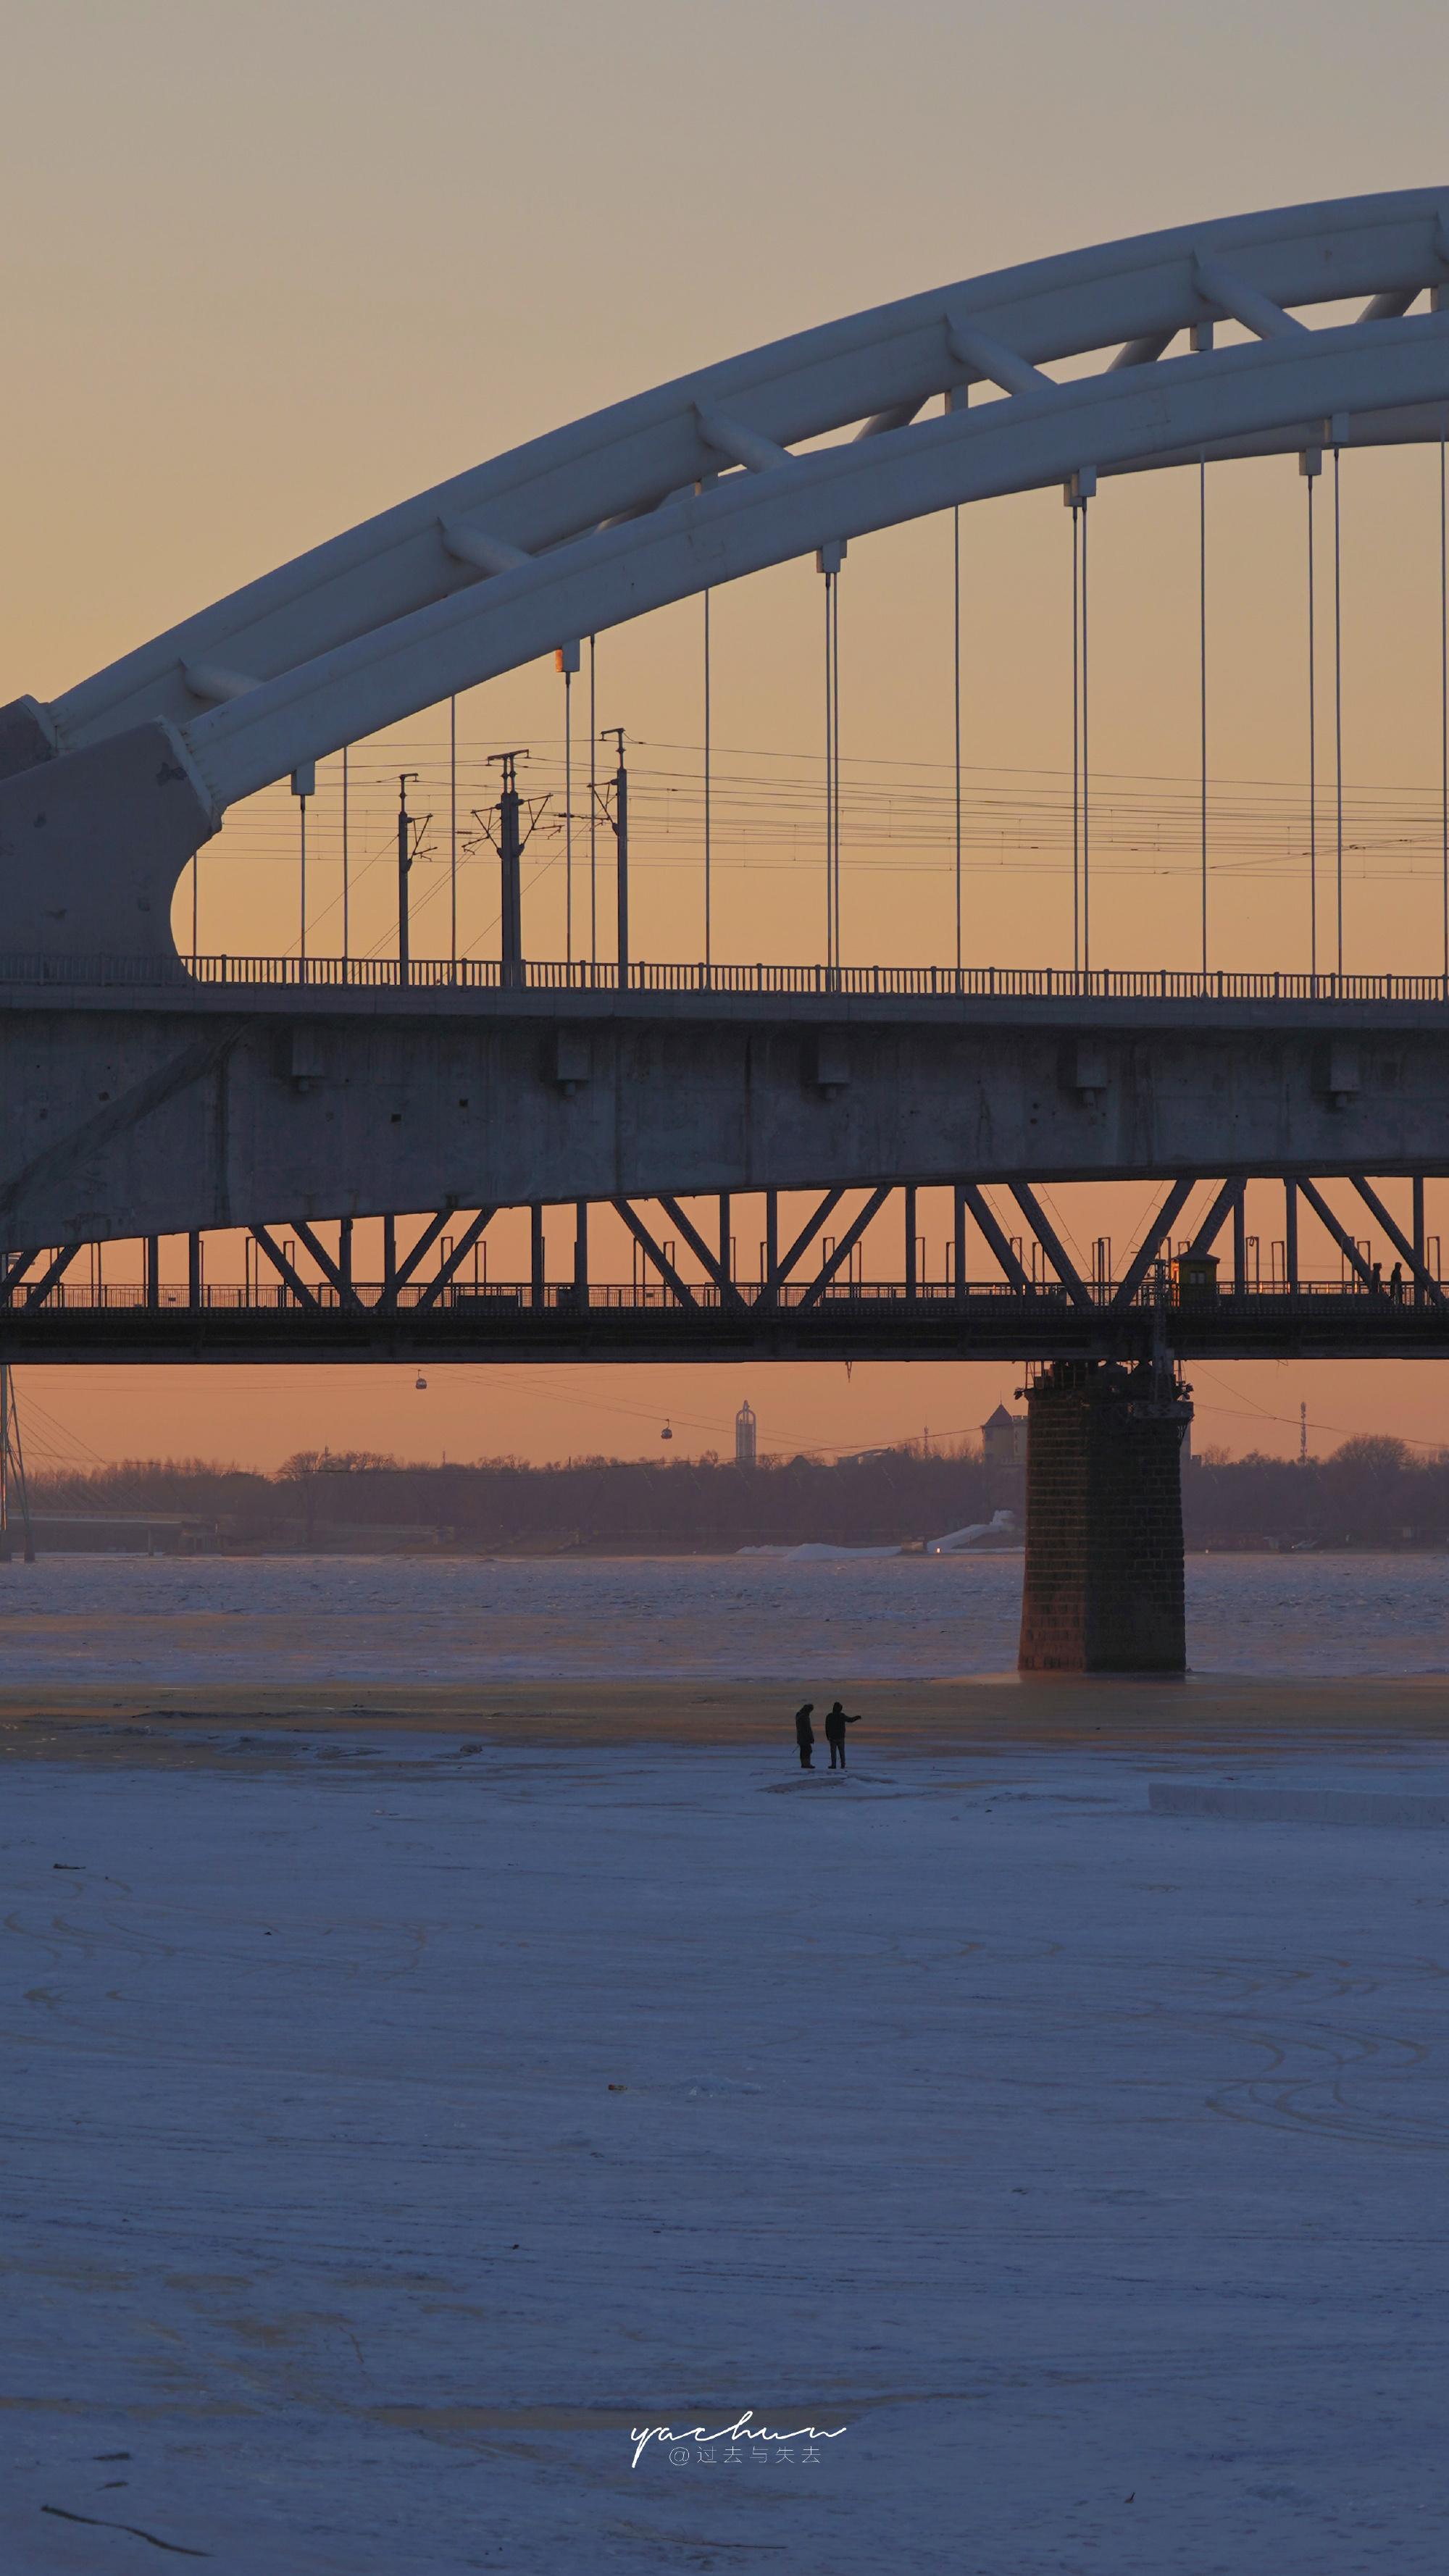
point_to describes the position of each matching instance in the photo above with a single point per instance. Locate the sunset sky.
(269, 270)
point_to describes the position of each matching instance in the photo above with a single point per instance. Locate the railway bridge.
(151, 1094)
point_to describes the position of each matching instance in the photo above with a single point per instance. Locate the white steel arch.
(695, 483)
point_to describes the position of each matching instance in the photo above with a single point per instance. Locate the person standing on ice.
(836, 1723)
(805, 1734)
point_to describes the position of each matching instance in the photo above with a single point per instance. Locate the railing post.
(193, 1272)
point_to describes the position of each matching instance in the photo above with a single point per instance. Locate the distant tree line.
(1371, 1492)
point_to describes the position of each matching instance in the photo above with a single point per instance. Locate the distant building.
(1003, 1439)
(746, 1431)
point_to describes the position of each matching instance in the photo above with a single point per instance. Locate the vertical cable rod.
(593, 809)
(835, 665)
(1310, 470)
(707, 786)
(1086, 774)
(1444, 699)
(346, 872)
(1338, 703)
(302, 931)
(829, 785)
(1076, 744)
(956, 702)
(453, 831)
(1202, 701)
(568, 681)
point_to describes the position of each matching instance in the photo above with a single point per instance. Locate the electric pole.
(510, 859)
(406, 846)
(620, 820)
(510, 841)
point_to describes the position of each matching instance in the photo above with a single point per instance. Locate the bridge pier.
(1103, 1589)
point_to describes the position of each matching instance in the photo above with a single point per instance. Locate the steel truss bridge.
(140, 1099)
(301, 1302)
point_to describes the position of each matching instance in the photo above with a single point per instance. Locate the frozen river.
(385, 2134)
(298, 1620)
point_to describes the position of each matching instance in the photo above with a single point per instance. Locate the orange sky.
(269, 269)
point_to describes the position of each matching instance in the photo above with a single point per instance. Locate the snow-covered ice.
(385, 2136)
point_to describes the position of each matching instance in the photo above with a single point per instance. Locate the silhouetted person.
(1396, 1283)
(836, 1723)
(805, 1734)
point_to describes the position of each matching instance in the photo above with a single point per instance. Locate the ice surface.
(383, 2139)
(1296, 1806)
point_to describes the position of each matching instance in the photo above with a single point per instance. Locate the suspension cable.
(1086, 772)
(707, 785)
(1338, 699)
(829, 806)
(1310, 465)
(1444, 697)
(346, 868)
(1202, 707)
(1076, 745)
(593, 807)
(568, 681)
(835, 746)
(453, 831)
(956, 702)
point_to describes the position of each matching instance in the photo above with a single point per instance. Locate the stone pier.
(1103, 1591)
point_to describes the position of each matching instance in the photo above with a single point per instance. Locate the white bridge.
(111, 788)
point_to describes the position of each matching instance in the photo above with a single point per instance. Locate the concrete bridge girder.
(147, 1117)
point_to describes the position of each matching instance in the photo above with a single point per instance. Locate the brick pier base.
(1104, 1574)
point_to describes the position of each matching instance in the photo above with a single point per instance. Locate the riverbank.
(232, 1722)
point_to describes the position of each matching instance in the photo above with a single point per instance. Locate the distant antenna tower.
(746, 1435)
(1302, 1435)
(13, 1492)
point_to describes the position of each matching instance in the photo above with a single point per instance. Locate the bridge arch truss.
(721, 473)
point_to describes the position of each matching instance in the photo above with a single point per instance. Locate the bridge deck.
(870, 1321)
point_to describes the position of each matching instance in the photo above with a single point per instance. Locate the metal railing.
(564, 1296)
(538, 975)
